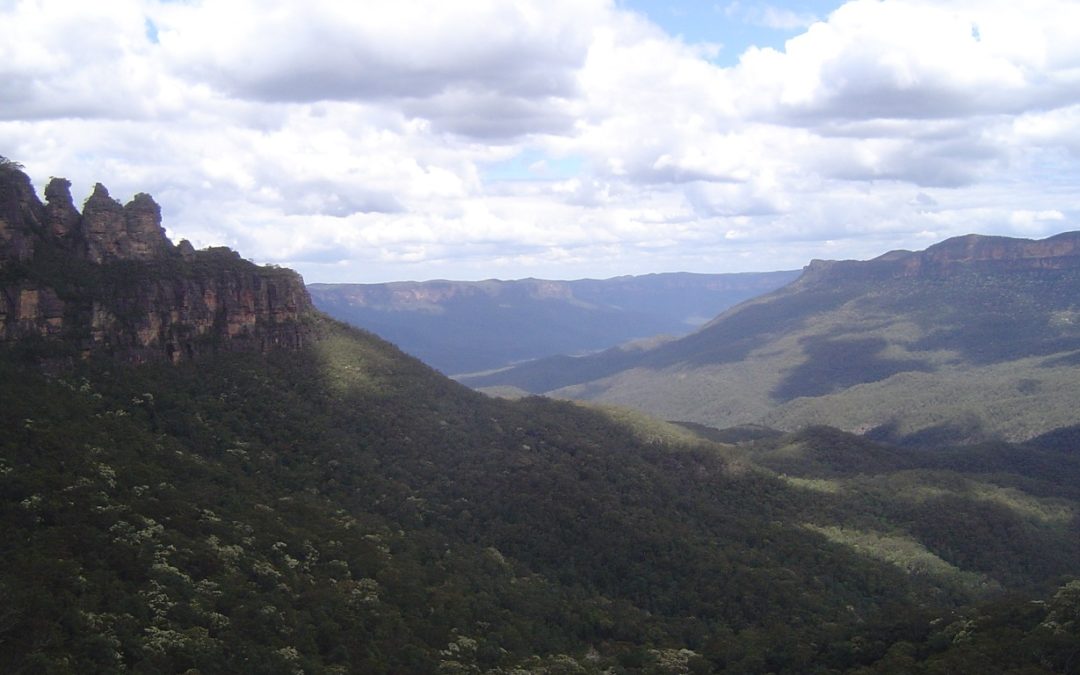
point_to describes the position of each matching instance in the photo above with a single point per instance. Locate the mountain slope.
(460, 327)
(343, 506)
(974, 338)
(337, 506)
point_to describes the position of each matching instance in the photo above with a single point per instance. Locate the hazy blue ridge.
(463, 327)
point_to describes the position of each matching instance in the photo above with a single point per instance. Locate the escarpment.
(107, 279)
(973, 252)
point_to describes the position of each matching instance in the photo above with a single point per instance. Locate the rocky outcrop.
(61, 216)
(131, 232)
(971, 252)
(27, 310)
(109, 280)
(185, 315)
(1061, 251)
(21, 213)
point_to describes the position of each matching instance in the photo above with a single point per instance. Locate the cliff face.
(109, 280)
(956, 255)
(1061, 251)
(21, 214)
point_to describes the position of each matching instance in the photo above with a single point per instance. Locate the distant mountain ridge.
(332, 505)
(972, 339)
(973, 251)
(469, 326)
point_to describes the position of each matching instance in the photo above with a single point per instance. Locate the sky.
(364, 141)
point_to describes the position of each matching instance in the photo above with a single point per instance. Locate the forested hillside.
(344, 507)
(331, 504)
(973, 339)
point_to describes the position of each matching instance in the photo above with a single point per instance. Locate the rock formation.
(61, 216)
(109, 280)
(131, 232)
(21, 214)
(971, 252)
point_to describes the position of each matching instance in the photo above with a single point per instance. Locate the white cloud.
(918, 60)
(481, 68)
(87, 60)
(785, 19)
(769, 16)
(354, 140)
(319, 49)
(1036, 222)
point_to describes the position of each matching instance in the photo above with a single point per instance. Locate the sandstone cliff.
(971, 252)
(109, 280)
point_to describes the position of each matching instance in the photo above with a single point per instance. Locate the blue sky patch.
(532, 164)
(736, 25)
(151, 31)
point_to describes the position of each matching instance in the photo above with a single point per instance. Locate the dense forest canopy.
(290, 494)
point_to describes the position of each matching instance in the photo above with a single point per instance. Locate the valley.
(201, 472)
(972, 340)
(466, 327)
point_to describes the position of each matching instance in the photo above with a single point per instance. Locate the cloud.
(87, 60)
(1036, 222)
(1051, 129)
(320, 50)
(359, 144)
(785, 19)
(491, 116)
(463, 65)
(918, 60)
(923, 201)
(769, 16)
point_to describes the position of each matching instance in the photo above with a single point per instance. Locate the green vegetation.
(650, 430)
(981, 509)
(978, 354)
(341, 507)
(1013, 635)
(345, 508)
(835, 365)
(909, 555)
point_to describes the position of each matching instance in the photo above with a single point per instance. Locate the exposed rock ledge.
(109, 280)
(952, 256)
